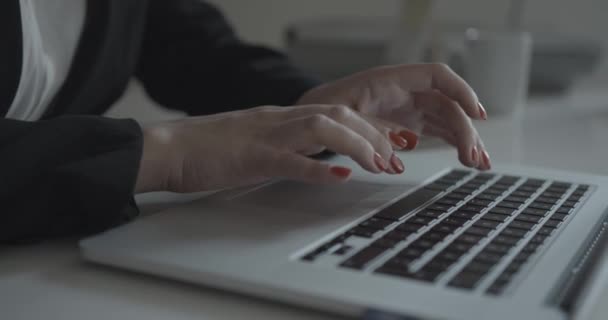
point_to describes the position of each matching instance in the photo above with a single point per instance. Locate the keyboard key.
(385, 242)
(423, 244)
(545, 231)
(478, 231)
(479, 202)
(546, 200)
(376, 223)
(521, 193)
(494, 191)
(552, 223)
(440, 207)
(418, 219)
(360, 259)
(438, 265)
(478, 267)
(456, 196)
(487, 196)
(482, 223)
(454, 221)
(564, 210)
(398, 235)
(464, 214)
(550, 194)
(505, 240)
(410, 253)
(569, 204)
(436, 236)
(495, 217)
(540, 205)
(465, 280)
(447, 202)
(528, 218)
(521, 225)
(488, 257)
(472, 208)
(528, 188)
(531, 247)
(469, 238)
(363, 232)
(404, 206)
(513, 232)
(508, 204)
(430, 214)
(493, 247)
(445, 228)
(516, 199)
(498, 210)
(409, 227)
(459, 247)
(535, 212)
(559, 216)
(448, 255)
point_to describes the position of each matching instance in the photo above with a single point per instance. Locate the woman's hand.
(250, 146)
(425, 98)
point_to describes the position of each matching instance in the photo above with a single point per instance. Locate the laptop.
(513, 243)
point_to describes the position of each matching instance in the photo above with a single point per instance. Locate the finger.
(293, 166)
(446, 113)
(318, 129)
(440, 77)
(401, 137)
(435, 126)
(354, 121)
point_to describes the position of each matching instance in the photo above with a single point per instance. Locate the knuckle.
(441, 67)
(340, 112)
(317, 121)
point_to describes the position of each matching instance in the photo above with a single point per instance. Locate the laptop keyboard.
(474, 225)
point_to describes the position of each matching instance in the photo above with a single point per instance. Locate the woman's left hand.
(427, 99)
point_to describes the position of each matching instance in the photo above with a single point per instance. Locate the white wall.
(264, 20)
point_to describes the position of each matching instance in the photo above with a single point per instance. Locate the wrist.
(153, 173)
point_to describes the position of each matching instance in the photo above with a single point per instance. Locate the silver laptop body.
(515, 243)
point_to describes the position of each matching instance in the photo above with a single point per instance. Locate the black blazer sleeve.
(68, 175)
(192, 60)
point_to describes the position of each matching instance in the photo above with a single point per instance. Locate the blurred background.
(330, 38)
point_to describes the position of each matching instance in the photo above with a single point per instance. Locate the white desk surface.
(50, 281)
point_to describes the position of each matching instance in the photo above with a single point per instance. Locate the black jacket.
(73, 172)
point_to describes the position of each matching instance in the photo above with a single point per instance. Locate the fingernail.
(398, 140)
(397, 164)
(379, 161)
(482, 111)
(411, 139)
(486, 159)
(474, 155)
(341, 172)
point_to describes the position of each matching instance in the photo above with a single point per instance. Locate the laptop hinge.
(580, 271)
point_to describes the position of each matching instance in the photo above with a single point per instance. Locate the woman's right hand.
(250, 146)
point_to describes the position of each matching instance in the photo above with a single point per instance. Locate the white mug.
(496, 64)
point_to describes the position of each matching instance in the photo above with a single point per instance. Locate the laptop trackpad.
(354, 197)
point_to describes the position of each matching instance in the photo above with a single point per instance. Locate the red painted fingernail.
(482, 111)
(341, 172)
(474, 154)
(379, 161)
(397, 164)
(398, 140)
(486, 159)
(411, 138)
